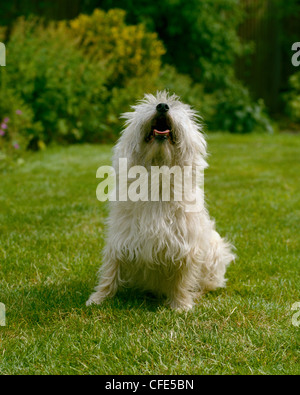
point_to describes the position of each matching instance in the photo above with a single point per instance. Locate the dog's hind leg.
(108, 284)
(216, 259)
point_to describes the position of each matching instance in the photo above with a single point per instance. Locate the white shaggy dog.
(160, 246)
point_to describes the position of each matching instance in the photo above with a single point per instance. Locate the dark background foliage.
(230, 59)
(271, 25)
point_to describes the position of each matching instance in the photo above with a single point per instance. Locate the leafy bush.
(16, 126)
(74, 76)
(50, 74)
(230, 109)
(202, 44)
(71, 80)
(201, 37)
(189, 91)
(292, 98)
(237, 112)
(128, 51)
(11, 142)
(130, 55)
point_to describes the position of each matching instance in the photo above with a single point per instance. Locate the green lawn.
(51, 235)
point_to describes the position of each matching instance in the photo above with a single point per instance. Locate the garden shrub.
(17, 127)
(74, 76)
(128, 51)
(72, 79)
(231, 109)
(237, 112)
(62, 87)
(203, 44)
(201, 37)
(190, 92)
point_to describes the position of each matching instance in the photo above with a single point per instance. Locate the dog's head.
(162, 131)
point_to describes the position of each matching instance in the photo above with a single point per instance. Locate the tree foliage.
(75, 78)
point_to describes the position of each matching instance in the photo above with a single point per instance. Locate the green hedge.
(69, 81)
(74, 79)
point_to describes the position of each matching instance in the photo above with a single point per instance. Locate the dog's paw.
(94, 299)
(89, 302)
(180, 306)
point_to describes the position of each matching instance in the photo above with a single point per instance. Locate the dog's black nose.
(162, 107)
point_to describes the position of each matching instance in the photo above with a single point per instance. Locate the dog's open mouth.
(161, 130)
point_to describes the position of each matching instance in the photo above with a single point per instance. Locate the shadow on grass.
(39, 304)
(127, 299)
(44, 304)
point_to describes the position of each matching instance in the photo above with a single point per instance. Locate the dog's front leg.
(179, 296)
(108, 284)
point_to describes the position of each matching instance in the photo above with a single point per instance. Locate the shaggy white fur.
(159, 246)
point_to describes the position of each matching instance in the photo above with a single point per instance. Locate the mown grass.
(51, 234)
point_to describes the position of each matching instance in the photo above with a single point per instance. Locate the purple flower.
(16, 146)
(3, 126)
(19, 112)
(2, 132)
(6, 120)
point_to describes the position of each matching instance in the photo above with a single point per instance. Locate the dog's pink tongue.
(161, 132)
